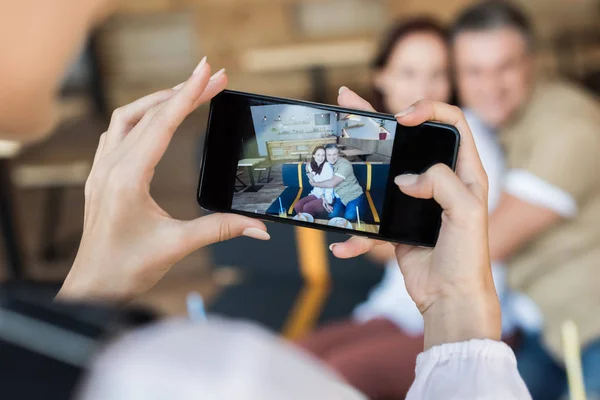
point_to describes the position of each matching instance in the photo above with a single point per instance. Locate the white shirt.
(222, 359)
(326, 174)
(390, 299)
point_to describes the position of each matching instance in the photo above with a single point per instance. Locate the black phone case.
(268, 218)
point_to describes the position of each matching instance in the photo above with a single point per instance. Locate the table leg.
(8, 220)
(253, 186)
(251, 174)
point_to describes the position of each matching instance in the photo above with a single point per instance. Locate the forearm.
(462, 317)
(515, 223)
(328, 184)
(503, 242)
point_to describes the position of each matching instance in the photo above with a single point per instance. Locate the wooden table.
(249, 164)
(349, 151)
(371, 228)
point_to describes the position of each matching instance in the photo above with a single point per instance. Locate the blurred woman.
(376, 350)
(318, 170)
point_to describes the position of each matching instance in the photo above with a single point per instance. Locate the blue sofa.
(372, 178)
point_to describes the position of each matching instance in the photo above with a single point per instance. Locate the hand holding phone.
(128, 241)
(452, 283)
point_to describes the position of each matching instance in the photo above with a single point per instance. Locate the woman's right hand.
(452, 283)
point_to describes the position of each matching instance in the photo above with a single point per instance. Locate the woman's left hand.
(129, 242)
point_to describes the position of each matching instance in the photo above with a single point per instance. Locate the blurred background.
(302, 49)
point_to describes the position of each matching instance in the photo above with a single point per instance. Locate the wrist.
(81, 284)
(461, 317)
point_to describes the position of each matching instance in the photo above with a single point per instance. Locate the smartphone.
(321, 166)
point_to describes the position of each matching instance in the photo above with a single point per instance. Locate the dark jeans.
(349, 211)
(547, 380)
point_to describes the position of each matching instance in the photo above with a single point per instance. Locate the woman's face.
(319, 156)
(418, 68)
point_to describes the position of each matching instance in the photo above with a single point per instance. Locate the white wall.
(370, 130)
(296, 123)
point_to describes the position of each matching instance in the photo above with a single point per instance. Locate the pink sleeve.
(477, 369)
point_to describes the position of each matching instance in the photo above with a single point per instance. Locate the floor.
(173, 187)
(261, 200)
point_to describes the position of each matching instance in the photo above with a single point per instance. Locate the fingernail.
(406, 179)
(404, 112)
(201, 65)
(331, 246)
(217, 74)
(342, 89)
(256, 233)
(177, 87)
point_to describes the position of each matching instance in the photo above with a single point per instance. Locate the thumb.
(349, 99)
(218, 228)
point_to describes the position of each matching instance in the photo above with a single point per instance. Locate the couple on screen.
(336, 190)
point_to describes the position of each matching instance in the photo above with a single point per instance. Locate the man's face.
(494, 70)
(333, 155)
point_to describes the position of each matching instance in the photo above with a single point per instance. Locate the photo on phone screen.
(321, 166)
(317, 166)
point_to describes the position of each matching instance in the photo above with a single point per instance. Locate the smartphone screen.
(321, 166)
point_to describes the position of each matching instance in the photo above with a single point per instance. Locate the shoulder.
(555, 110)
(343, 164)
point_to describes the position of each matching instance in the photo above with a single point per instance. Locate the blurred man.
(546, 224)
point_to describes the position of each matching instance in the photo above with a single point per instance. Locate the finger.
(215, 228)
(99, 150)
(349, 99)
(402, 250)
(97, 158)
(160, 125)
(87, 187)
(353, 247)
(442, 185)
(126, 117)
(216, 84)
(469, 167)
